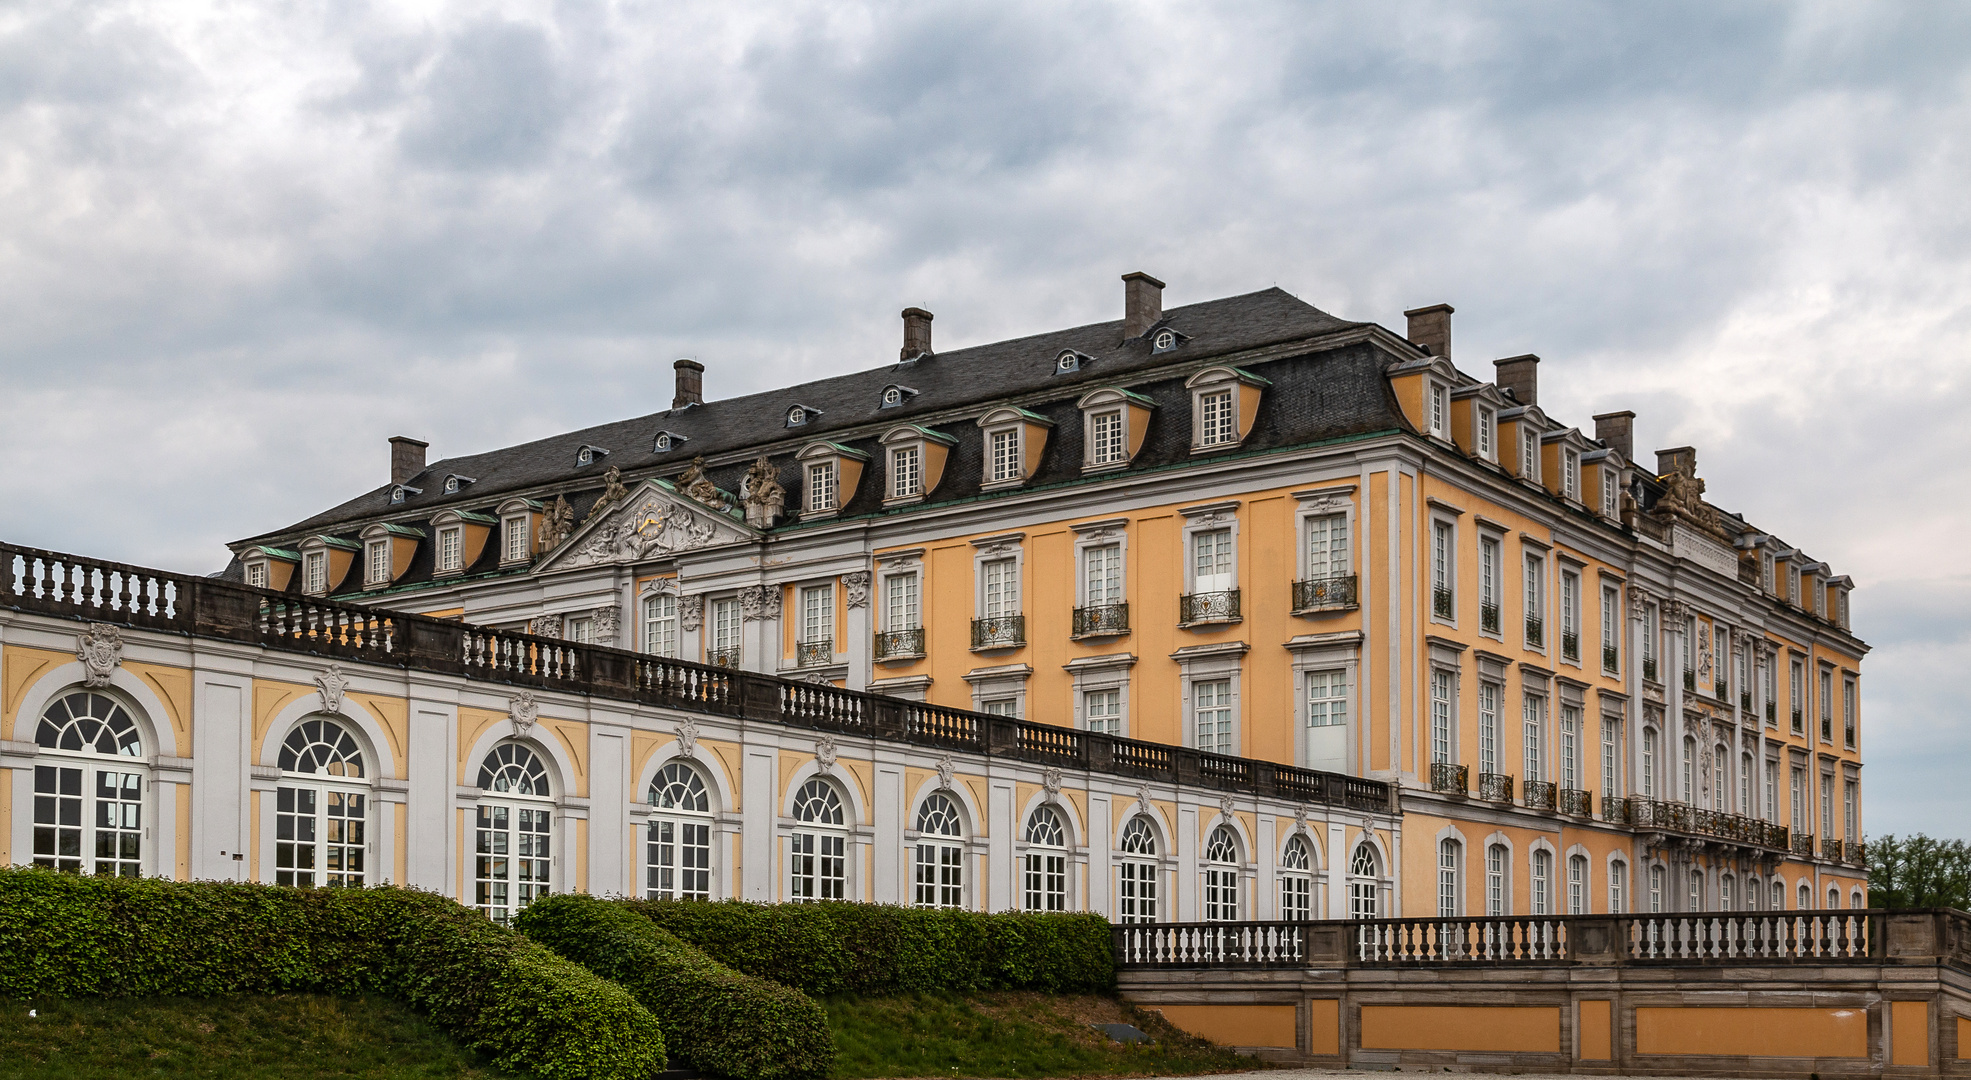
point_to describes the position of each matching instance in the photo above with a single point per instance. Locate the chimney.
(916, 333)
(1521, 375)
(1430, 327)
(691, 384)
(1676, 459)
(1142, 304)
(1617, 431)
(406, 458)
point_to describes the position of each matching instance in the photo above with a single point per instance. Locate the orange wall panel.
(1324, 1026)
(1237, 1025)
(1594, 1033)
(1909, 1024)
(1521, 1029)
(1779, 1032)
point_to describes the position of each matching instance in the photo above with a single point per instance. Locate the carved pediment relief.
(652, 522)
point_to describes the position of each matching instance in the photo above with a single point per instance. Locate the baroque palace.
(1233, 611)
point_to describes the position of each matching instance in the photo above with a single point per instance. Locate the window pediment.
(1014, 442)
(913, 463)
(830, 473)
(1114, 423)
(1224, 403)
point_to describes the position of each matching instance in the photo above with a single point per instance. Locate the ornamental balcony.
(727, 657)
(1101, 620)
(1826, 729)
(1448, 778)
(1649, 669)
(1745, 700)
(1799, 723)
(1495, 787)
(900, 644)
(814, 653)
(1721, 689)
(1772, 712)
(1488, 618)
(1577, 803)
(1324, 594)
(1857, 853)
(1830, 849)
(999, 632)
(1690, 681)
(1615, 808)
(1440, 603)
(1208, 607)
(1608, 658)
(1570, 645)
(1696, 821)
(1539, 795)
(1803, 844)
(1535, 632)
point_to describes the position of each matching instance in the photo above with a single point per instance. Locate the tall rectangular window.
(1611, 745)
(1533, 718)
(818, 615)
(450, 548)
(1570, 474)
(1611, 627)
(1211, 561)
(1438, 398)
(1005, 455)
(1826, 804)
(1440, 716)
(725, 632)
(1768, 691)
(1848, 712)
(1772, 792)
(1848, 819)
(1536, 601)
(1797, 794)
(1447, 879)
(516, 538)
(1570, 750)
(1212, 710)
(1327, 546)
(1103, 708)
(1570, 614)
(1488, 584)
(1217, 419)
(1483, 437)
(1495, 880)
(1103, 577)
(1610, 496)
(1000, 579)
(660, 625)
(1327, 698)
(1488, 727)
(1650, 643)
(1648, 763)
(1529, 453)
(1577, 886)
(1543, 869)
(906, 473)
(378, 562)
(1796, 686)
(1440, 569)
(1826, 705)
(1105, 437)
(1618, 888)
(821, 485)
(900, 602)
(316, 571)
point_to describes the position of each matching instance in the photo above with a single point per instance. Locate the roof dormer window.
(667, 441)
(914, 458)
(800, 415)
(1069, 361)
(589, 455)
(1440, 410)
(1114, 422)
(1014, 441)
(831, 473)
(1570, 474)
(896, 394)
(1165, 341)
(454, 483)
(1487, 430)
(398, 492)
(1224, 402)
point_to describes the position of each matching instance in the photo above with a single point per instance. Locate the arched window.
(1046, 861)
(1363, 890)
(1855, 899)
(1543, 876)
(1694, 900)
(515, 832)
(1297, 881)
(1137, 872)
(1222, 876)
(1833, 897)
(1806, 898)
(1448, 852)
(940, 854)
(1657, 881)
(818, 869)
(1577, 885)
(1755, 892)
(1498, 895)
(321, 808)
(1779, 895)
(678, 844)
(89, 787)
(1618, 887)
(1727, 893)
(660, 624)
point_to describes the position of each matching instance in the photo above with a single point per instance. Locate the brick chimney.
(1668, 461)
(406, 458)
(1521, 375)
(1142, 304)
(916, 333)
(1617, 431)
(1430, 327)
(690, 384)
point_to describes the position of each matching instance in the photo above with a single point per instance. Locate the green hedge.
(839, 947)
(717, 1019)
(488, 987)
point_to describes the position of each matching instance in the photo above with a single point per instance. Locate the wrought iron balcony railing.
(1577, 803)
(1539, 795)
(1649, 669)
(1495, 787)
(1615, 808)
(727, 657)
(1608, 658)
(1830, 848)
(1440, 603)
(900, 644)
(1799, 722)
(999, 632)
(1101, 619)
(1827, 729)
(1772, 712)
(814, 653)
(1695, 820)
(1858, 853)
(1745, 700)
(1535, 632)
(1803, 844)
(1690, 680)
(1208, 607)
(1322, 594)
(1570, 644)
(1448, 778)
(1488, 618)
(1721, 689)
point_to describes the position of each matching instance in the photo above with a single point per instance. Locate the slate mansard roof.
(1333, 393)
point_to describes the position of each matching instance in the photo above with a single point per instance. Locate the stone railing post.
(223, 610)
(1327, 944)
(1912, 934)
(1597, 942)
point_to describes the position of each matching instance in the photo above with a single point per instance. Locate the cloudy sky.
(242, 244)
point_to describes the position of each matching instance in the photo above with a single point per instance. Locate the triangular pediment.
(653, 521)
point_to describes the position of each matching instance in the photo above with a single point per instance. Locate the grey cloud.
(495, 99)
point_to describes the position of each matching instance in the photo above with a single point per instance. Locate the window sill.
(1327, 609)
(820, 515)
(903, 500)
(1196, 623)
(1107, 466)
(1097, 635)
(1010, 646)
(1214, 447)
(1002, 485)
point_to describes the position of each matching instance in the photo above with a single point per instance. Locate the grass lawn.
(271, 1037)
(1011, 1034)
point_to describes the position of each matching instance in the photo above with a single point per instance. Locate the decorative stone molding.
(691, 611)
(613, 492)
(606, 624)
(824, 753)
(757, 602)
(1050, 781)
(1225, 806)
(687, 739)
(332, 683)
(557, 525)
(524, 711)
(100, 648)
(547, 626)
(855, 588)
(946, 768)
(1143, 798)
(1300, 818)
(1675, 611)
(762, 494)
(1638, 603)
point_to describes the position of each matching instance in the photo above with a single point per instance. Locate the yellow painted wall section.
(1236, 1025)
(472, 722)
(173, 686)
(400, 826)
(1593, 1032)
(184, 812)
(1964, 1038)
(395, 716)
(1520, 1029)
(1753, 1032)
(21, 667)
(1909, 1032)
(269, 698)
(1324, 1026)
(1408, 390)
(575, 740)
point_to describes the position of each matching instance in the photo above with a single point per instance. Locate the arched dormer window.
(514, 863)
(1222, 876)
(1014, 442)
(678, 848)
(895, 394)
(913, 463)
(1297, 881)
(802, 415)
(818, 868)
(1113, 424)
(830, 474)
(321, 808)
(940, 854)
(90, 787)
(1046, 862)
(1068, 362)
(588, 455)
(1165, 340)
(667, 441)
(1224, 403)
(1137, 872)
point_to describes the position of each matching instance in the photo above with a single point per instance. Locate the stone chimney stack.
(1142, 304)
(916, 333)
(1430, 327)
(406, 458)
(1521, 375)
(1617, 431)
(690, 384)
(1676, 458)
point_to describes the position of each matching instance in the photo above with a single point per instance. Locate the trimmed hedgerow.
(717, 1019)
(840, 947)
(488, 987)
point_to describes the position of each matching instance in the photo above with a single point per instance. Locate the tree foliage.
(1919, 872)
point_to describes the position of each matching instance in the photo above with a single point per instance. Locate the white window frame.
(1211, 382)
(1533, 600)
(1324, 505)
(1491, 695)
(1444, 566)
(1091, 536)
(1335, 657)
(1529, 452)
(816, 613)
(1443, 714)
(1485, 438)
(1570, 615)
(516, 535)
(906, 472)
(132, 817)
(1101, 674)
(1491, 581)
(376, 562)
(315, 572)
(1222, 663)
(725, 629)
(1611, 628)
(1533, 736)
(1611, 494)
(662, 633)
(450, 555)
(1437, 408)
(1570, 473)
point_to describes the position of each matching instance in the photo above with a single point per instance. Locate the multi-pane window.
(1610, 753)
(1618, 888)
(1772, 792)
(1136, 873)
(89, 787)
(678, 844)
(1438, 404)
(1105, 438)
(1441, 555)
(1447, 878)
(1495, 880)
(726, 631)
(1649, 642)
(451, 549)
(1543, 873)
(256, 575)
(1610, 497)
(1611, 625)
(1001, 707)
(906, 473)
(1327, 546)
(1103, 709)
(1211, 561)
(1848, 712)
(1648, 763)
(818, 616)
(1720, 797)
(817, 866)
(1488, 727)
(940, 854)
(1364, 892)
(1536, 600)
(1826, 705)
(1212, 710)
(1488, 584)
(1848, 818)
(579, 629)
(1440, 715)
(821, 485)
(1001, 584)
(1529, 454)
(376, 562)
(1327, 698)
(1570, 474)
(1102, 564)
(1797, 794)
(1657, 886)
(514, 833)
(320, 808)
(1688, 786)
(1570, 748)
(1577, 885)
(1004, 455)
(900, 602)
(1797, 690)
(515, 532)
(1483, 436)
(1218, 422)
(1570, 614)
(1745, 805)
(660, 625)
(1827, 804)
(1727, 888)
(1221, 892)
(1045, 873)
(1297, 881)
(1533, 722)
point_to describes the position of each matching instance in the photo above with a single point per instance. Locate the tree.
(1919, 872)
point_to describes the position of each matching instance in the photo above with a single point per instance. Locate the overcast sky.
(243, 244)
